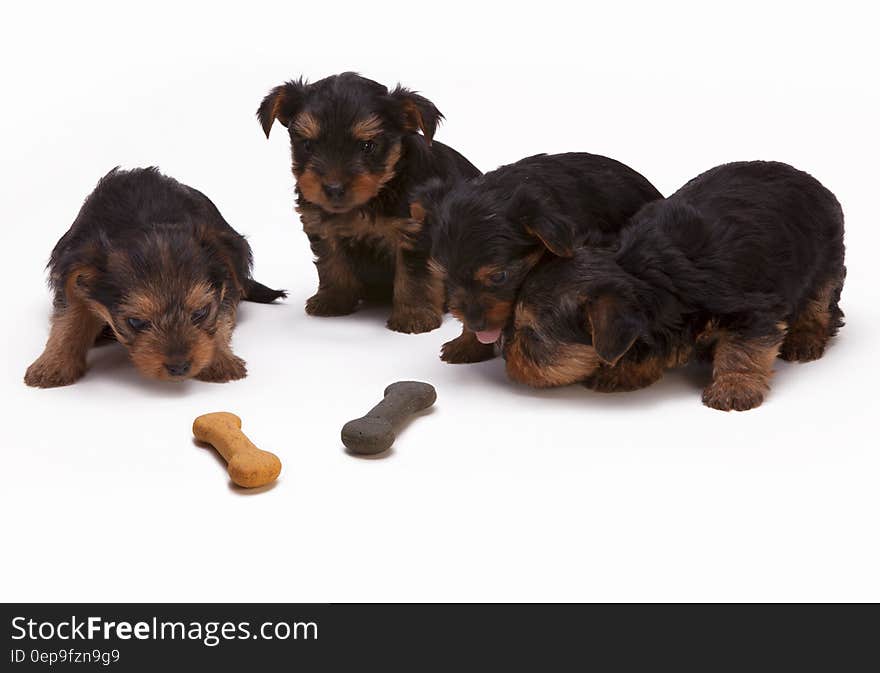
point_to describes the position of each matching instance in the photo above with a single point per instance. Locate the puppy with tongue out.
(491, 231)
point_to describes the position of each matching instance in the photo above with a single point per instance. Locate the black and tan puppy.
(152, 263)
(357, 155)
(491, 231)
(742, 264)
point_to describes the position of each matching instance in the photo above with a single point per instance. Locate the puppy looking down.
(491, 231)
(743, 263)
(358, 150)
(152, 263)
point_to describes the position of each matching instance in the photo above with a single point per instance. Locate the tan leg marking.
(417, 302)
(741, 371)
(226, 366)
(810, 330)
(339, 290)
(74, 330)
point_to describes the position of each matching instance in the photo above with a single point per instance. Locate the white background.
(500, 493)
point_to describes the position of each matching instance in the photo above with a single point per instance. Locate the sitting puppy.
(152, 263)
(357, 155)
(742, 264)
(491, 231)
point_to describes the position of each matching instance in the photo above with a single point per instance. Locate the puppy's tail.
(257, 292)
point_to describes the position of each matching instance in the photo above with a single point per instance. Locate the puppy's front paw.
(465, 349)
(802, 347)
(414, 320)
(223, 369)
(327, 303)
(50, 373)
(733, 393)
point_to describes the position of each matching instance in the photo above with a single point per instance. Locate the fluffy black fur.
(358, 151)
(745, 261)
(491, 231)
(140, 209)
(141, 248)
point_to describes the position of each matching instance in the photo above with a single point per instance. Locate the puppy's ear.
(76, 271)
(230, 257)
(283, 103)
(426, 197)
(80, 281)
(541, 221)
(417, 112)
(615, 327)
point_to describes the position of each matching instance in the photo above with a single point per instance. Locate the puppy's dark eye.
(137, 324)
(368, 146)
(201, 314)
(498, 277)
(305, 144)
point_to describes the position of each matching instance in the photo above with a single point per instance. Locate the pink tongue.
(488, 336)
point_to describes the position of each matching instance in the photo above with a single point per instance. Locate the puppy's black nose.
(334, 190)
(177, 368)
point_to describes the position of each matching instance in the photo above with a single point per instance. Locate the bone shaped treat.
(247, 465)
(375, 432)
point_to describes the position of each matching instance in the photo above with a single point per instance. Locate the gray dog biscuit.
(375, 432)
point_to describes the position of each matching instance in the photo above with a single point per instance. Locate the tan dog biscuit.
(247, 465)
